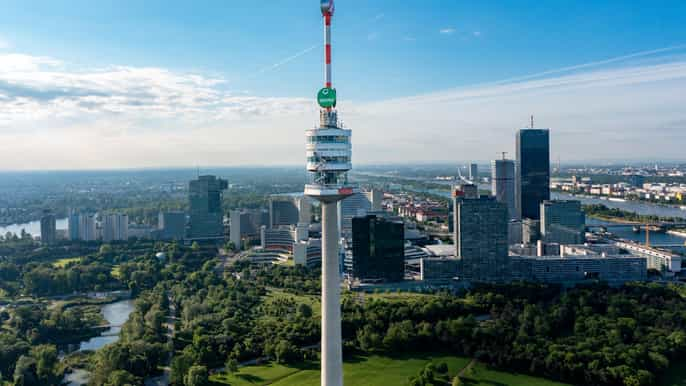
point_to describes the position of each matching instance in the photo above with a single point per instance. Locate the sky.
(130, 84)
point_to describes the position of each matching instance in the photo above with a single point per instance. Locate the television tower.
(328, 151)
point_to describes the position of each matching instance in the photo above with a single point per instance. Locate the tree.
(179, 367)
(46, 359)
(25, 372)
(197, 376)
(304, 310)
(231, 365)
(121, 378)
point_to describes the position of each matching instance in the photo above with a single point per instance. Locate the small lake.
(116, 314)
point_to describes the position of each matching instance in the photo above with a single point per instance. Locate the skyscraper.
(289, 209)
(562, 221)
(172, 225)
(73, 225)
(474, 173)
(503, 184)
(246, 223)
(375, 197)
(378, 251)
(357, 204)
(87, 228)
(205, 202)
(48, 228)
(115, 227)
(533, 171)
(481, 238)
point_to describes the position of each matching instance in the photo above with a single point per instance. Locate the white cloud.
(447, 31)
(123, 116)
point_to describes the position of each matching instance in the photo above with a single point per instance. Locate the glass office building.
(533, 171)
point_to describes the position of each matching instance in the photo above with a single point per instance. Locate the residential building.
(115, 227)
(246, 224)
(87, 228)
(73, 227)
(48, 228)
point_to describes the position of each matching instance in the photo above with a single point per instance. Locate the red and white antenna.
(327, 13)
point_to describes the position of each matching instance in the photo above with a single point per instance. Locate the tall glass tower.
(533, 171)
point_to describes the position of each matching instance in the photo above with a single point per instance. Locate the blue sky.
(392, 47)
(126, 72)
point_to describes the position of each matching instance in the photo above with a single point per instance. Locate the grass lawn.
(675, 375)
(359, 371)
(61, 263)
(481, 375)
(257, 375)
(378, 371)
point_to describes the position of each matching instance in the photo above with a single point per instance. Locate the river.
(32, 227)
(644, 208)
(116, 314)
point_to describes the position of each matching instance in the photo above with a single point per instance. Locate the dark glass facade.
(378, 249)
(533, 171)
(481, 239)
(205, 203)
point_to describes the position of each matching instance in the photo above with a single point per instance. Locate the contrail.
(586, 65)
(284, 61)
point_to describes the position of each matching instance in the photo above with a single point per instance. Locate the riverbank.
(677, 232)
(618, 220)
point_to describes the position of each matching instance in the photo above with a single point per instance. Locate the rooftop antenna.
(503, 153)
(532, 121)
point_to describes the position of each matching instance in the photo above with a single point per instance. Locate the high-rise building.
(375, 197)
(474, 173)
(115, 227)
(48, 228)
(355, 205)
(206, 214)
(378, 249)
(562, 221)
(503, 184)
(532, 172)
(87, 228)
(73, 227)
(465, 191)
(481, 238)
(171, 225)
(636, 180)
(246, 224)
(289, 209)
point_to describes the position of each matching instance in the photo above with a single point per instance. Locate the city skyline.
(456, 88)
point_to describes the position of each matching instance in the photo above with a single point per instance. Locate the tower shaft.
(332, 352)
